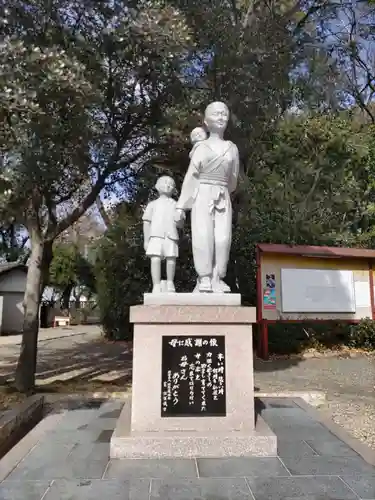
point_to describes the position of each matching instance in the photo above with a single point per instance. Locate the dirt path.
(79, 353)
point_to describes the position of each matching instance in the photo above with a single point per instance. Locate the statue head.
(197, 135)
(216, 117)
(165, 185)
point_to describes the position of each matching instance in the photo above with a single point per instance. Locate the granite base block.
(234, 323)
(192, 299)
(190, 444)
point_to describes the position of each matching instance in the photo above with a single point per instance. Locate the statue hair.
(213, 105)
(161, 181)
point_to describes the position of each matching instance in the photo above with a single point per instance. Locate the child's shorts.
(162, 247)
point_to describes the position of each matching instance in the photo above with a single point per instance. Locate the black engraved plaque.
(193, 376)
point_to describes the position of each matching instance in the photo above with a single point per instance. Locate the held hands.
(179, 217)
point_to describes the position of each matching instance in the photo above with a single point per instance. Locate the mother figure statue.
(211, 177)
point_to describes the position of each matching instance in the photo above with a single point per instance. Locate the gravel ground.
(349, 385)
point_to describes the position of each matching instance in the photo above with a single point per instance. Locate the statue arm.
(147, 225)
(189, 185)
(235, 170)
(146, 231)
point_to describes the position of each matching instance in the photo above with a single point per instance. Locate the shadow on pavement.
(104, 362)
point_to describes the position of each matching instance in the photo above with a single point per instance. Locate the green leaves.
(82, 91)
(36, 84)
(69, 268)
(313, 185)
(311, 174)
(122, 272)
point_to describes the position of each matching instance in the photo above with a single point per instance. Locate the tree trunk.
(40, 258)
(65, 299)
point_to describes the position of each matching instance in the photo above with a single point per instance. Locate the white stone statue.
(211, 177)
(160, 232)
(197, 135)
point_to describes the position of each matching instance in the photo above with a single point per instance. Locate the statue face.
(216, 116)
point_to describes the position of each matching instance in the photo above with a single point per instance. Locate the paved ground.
(348, 383)
(71, 463)
(78, 354)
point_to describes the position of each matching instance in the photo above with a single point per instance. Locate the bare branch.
(103, 212)
(249, 13)
(86, 203)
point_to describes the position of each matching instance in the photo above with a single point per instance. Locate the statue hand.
(179, 215)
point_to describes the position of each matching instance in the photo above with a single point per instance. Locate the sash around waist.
(214, 181)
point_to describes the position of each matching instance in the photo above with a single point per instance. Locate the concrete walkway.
(71, 462)
(48, 334)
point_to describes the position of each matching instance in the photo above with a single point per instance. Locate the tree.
(121, 271)
(83, 85)
(314, 185)
(245, 52)
(38, 151)
(340, 34)
(70, 269)
(83, 234)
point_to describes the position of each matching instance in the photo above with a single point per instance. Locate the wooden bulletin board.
(309, 283)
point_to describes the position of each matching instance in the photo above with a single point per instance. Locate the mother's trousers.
(211, 227)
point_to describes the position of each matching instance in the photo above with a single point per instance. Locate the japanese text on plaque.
(193, 376)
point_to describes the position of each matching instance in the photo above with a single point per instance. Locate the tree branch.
(24, 241)
(249, 13)
(103, 212)
(92, 196)
(70, 219)
(312, 10)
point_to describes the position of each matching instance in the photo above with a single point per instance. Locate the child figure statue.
(160, 231)
(197, 135)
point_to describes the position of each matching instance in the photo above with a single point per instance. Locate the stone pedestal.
(144, 430)
(192, 299)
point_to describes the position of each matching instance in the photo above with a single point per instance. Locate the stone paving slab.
(331, 447)
(137, 489)
(28, 490)
(241, 467)
(201, 489)
(296, 448)
(57, 468)
(86, 451)
(363, 486)
(326, 466)
(144, 468)
(317, 488)
(71, 462)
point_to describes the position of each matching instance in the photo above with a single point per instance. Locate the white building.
(12, 289)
